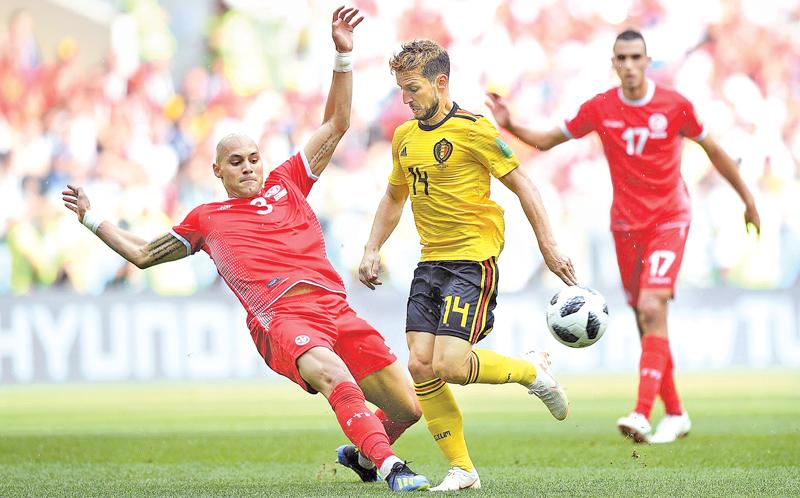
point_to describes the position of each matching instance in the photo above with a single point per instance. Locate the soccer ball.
(577, 316)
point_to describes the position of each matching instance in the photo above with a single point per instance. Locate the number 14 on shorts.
(452, 304)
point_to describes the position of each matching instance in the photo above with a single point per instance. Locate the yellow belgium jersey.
(446, 167)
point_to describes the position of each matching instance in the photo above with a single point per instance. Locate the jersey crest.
(658, 125)
(442, 150)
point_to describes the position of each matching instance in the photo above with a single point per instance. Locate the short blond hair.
(423, 55)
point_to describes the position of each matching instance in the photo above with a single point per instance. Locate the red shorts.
(295, 324)
(650, 259)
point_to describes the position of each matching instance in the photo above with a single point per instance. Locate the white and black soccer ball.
(577, 316)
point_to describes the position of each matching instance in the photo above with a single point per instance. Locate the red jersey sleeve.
(692, 126)
(297, 170)
(188, 231)
(584, 122)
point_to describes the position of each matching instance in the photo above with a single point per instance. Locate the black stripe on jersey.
(465, 114)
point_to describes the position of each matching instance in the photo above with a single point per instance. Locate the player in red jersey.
(641, 127)
(268, 246)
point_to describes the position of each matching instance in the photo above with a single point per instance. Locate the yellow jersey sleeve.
(489, 149)
(397, 177)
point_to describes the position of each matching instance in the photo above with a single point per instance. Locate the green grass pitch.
(270, 439)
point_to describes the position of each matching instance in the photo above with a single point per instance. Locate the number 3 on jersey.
(261, 202)
(635, 138)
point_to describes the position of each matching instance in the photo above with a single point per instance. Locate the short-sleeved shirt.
(264, 245)
(447, 168)
(642, 141)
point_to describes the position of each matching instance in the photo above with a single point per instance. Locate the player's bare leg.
(391, 391)
(328, 374)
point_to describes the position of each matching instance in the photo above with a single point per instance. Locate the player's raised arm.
(138, 251)
(727, 168)
(519, 183)
(322, 143)
(542, 140)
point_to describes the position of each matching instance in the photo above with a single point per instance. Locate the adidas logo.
(224, 207)
(403, 152)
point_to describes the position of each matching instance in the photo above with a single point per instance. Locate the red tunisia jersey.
(264, 245)
(642, 141)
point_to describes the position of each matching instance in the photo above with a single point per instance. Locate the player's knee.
(329, 376)
(450, 372)
(414, 414)
(410, 413)
(421, 369)
(651, 310)
(413, 411)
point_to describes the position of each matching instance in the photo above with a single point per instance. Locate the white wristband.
(92, 220)
(343, 63)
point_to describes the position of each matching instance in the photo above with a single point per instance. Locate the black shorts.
(455, 298)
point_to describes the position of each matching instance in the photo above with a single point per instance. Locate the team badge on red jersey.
(658, 125)
(442, 150)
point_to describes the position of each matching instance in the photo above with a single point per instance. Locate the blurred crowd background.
(136, 125)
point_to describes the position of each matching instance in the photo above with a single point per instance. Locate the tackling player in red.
(641, 126)
(268, 246)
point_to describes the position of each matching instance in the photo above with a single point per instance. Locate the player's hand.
(368, 269)
(499, 109)
(343, 26)
(751, 218)
(76, 200)
(561, 265)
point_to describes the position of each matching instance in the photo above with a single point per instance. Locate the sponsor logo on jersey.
(274, 281)
(442, 150)
(301, 340)
(403, 152)
(613, 123)
(658, 125)
(504, 148)
(224, 207)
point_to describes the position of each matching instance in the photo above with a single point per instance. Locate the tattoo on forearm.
(162, 247)
(326, 149)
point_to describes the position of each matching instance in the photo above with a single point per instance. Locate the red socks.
(669, 394)
(393, 428)
(652, 365)
(359, 424)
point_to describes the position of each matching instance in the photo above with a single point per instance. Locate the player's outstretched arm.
(519, 183)
(138, 251)
(336, 121)
(542, 140)
(728, 169)
(386, 218)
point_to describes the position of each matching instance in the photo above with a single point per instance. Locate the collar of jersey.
(425, 127)
(651, 90)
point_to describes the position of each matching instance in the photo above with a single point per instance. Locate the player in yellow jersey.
(443, 159)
